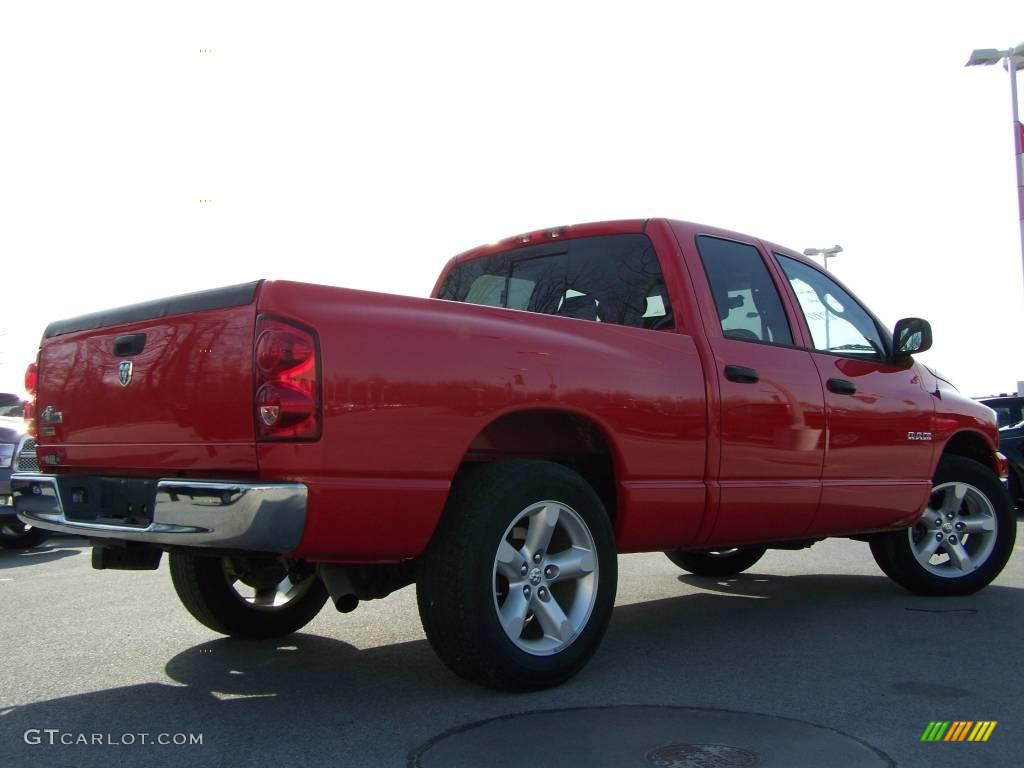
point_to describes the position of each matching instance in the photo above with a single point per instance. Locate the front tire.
(516, 588)
(247, 597)
(1013, 486)
(963, 539)
(722, 562)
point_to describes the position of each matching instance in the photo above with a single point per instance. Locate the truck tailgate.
(161, 386)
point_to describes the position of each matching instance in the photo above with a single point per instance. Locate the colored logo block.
(959, 730)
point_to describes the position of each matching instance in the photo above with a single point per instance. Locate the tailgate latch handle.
(129, 344)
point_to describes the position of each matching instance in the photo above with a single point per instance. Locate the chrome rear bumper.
(255, 517)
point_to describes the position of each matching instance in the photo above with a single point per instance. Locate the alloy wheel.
(545, 578)
(266, 585)
(957, 532)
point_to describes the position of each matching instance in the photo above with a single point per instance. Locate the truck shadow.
(756, 640)
(47, 553)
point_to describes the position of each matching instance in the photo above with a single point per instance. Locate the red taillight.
(278, 350)
(287, 400)
(31, 379)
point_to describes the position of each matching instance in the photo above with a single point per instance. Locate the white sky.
(362, 145)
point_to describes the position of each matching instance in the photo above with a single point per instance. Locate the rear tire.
(963, 539)
(17, 535)
(516, 588)
(216, 591)
(718, 562)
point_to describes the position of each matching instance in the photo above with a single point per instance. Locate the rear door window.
(747, 301)
(611, 279)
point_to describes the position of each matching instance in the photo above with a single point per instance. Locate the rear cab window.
(609, 279)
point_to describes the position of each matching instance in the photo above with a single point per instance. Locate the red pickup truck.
(563, 396)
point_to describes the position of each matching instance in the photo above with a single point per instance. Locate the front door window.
(837, 323)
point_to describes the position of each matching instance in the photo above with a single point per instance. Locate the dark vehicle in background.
(17, 452)
(11, 405)
(1010, 416)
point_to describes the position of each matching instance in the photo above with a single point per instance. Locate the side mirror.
(912, 335)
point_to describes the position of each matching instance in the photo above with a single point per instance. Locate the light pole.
(834, 251)
(825, 253)
(1013, 60)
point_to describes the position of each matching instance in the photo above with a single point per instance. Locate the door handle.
(842, 386)
(741, 375)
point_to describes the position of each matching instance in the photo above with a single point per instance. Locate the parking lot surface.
(811, 658)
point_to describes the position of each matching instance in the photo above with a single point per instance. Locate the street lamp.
(1013, 60)
(834, 251)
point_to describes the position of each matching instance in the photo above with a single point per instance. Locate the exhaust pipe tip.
(346, 603)
(339, 586)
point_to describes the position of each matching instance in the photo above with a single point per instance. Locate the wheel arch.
(971, 445)
(565, 436)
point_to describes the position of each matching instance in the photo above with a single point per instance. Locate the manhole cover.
(644, 736)
(701, 756)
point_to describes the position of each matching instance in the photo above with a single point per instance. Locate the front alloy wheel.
(961, 541)
(957, 532)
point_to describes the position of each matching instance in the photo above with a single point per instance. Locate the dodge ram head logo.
(124, 372)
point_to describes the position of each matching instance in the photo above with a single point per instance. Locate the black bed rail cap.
(215, 298)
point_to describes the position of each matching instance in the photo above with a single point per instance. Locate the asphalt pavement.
(811, 658)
